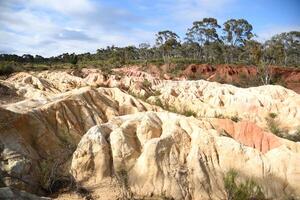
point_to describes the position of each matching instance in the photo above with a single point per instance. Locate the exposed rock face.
(214, 100)
(8, 93)
(35, 135)
(83, 122)
(248, 134)
(13, 194)
(239, 74)
(164, 154)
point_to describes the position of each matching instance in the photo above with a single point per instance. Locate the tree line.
(205, 42)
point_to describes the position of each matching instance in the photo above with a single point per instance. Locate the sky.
(53, 27)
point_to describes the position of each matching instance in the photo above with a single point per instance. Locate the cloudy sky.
(52, 27)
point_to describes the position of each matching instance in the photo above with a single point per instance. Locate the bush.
(146, 83)
(244, 81)
(220, 116)
(294, 137)
(138, 96)
(159, 103)
(235, 118)
(6, 69)
(156, 93)
(272, 115)
(123, 182)
(248, 190)
(189, 113)
(273, 125)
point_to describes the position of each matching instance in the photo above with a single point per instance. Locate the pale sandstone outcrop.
(40, 85)
(36, 133)
(8, 93)
(162, 154)
(165, 154)
(215, 100)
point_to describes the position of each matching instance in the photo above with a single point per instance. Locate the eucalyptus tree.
(144, 52)
(284, 48)
(204, 33)
(253, 52)
(167, 41)
(236, 33)
(274, 50)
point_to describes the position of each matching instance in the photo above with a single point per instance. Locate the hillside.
(131, 134)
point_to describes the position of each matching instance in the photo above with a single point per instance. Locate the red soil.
(289, 77)
(249, 134)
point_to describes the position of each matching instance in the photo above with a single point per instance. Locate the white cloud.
(190, 10)
(52, 27)
(65, 6)
(270, 30)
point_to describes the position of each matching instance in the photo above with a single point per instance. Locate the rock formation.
(37, 135)
(165, 154)
(126, 135)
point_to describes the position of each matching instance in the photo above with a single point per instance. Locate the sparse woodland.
(206, 41)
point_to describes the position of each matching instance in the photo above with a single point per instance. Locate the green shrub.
(294, 137)
(6, 69)
(246, 81)
(220, 116)
(156, 93)
(158, 102)
(123, 182)
(189, 113)
(248, 190)
(138, 96)
(273, 125)
(273, 115)
(235, 118)
(146, 83)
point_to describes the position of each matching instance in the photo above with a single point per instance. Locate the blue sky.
(52, 27)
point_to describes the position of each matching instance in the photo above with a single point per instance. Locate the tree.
(190, 49)
(167, 41)
(284, 48)
(265, 72)
(130, 53)
(253, 52)
(292, 47)
(144, 51)
(203, 43)
(73, 59)
(204, 33)
(28, 58)
(214, 52)
(237, 32)
(39, 59)
(274, 50)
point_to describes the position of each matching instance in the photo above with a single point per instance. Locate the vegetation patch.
(122, 179)
(52, 179)
(146, 84)
(235, 118)
(272, 115)
(189, 113)
(274, 126)
(219, 116)
(247, 190)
